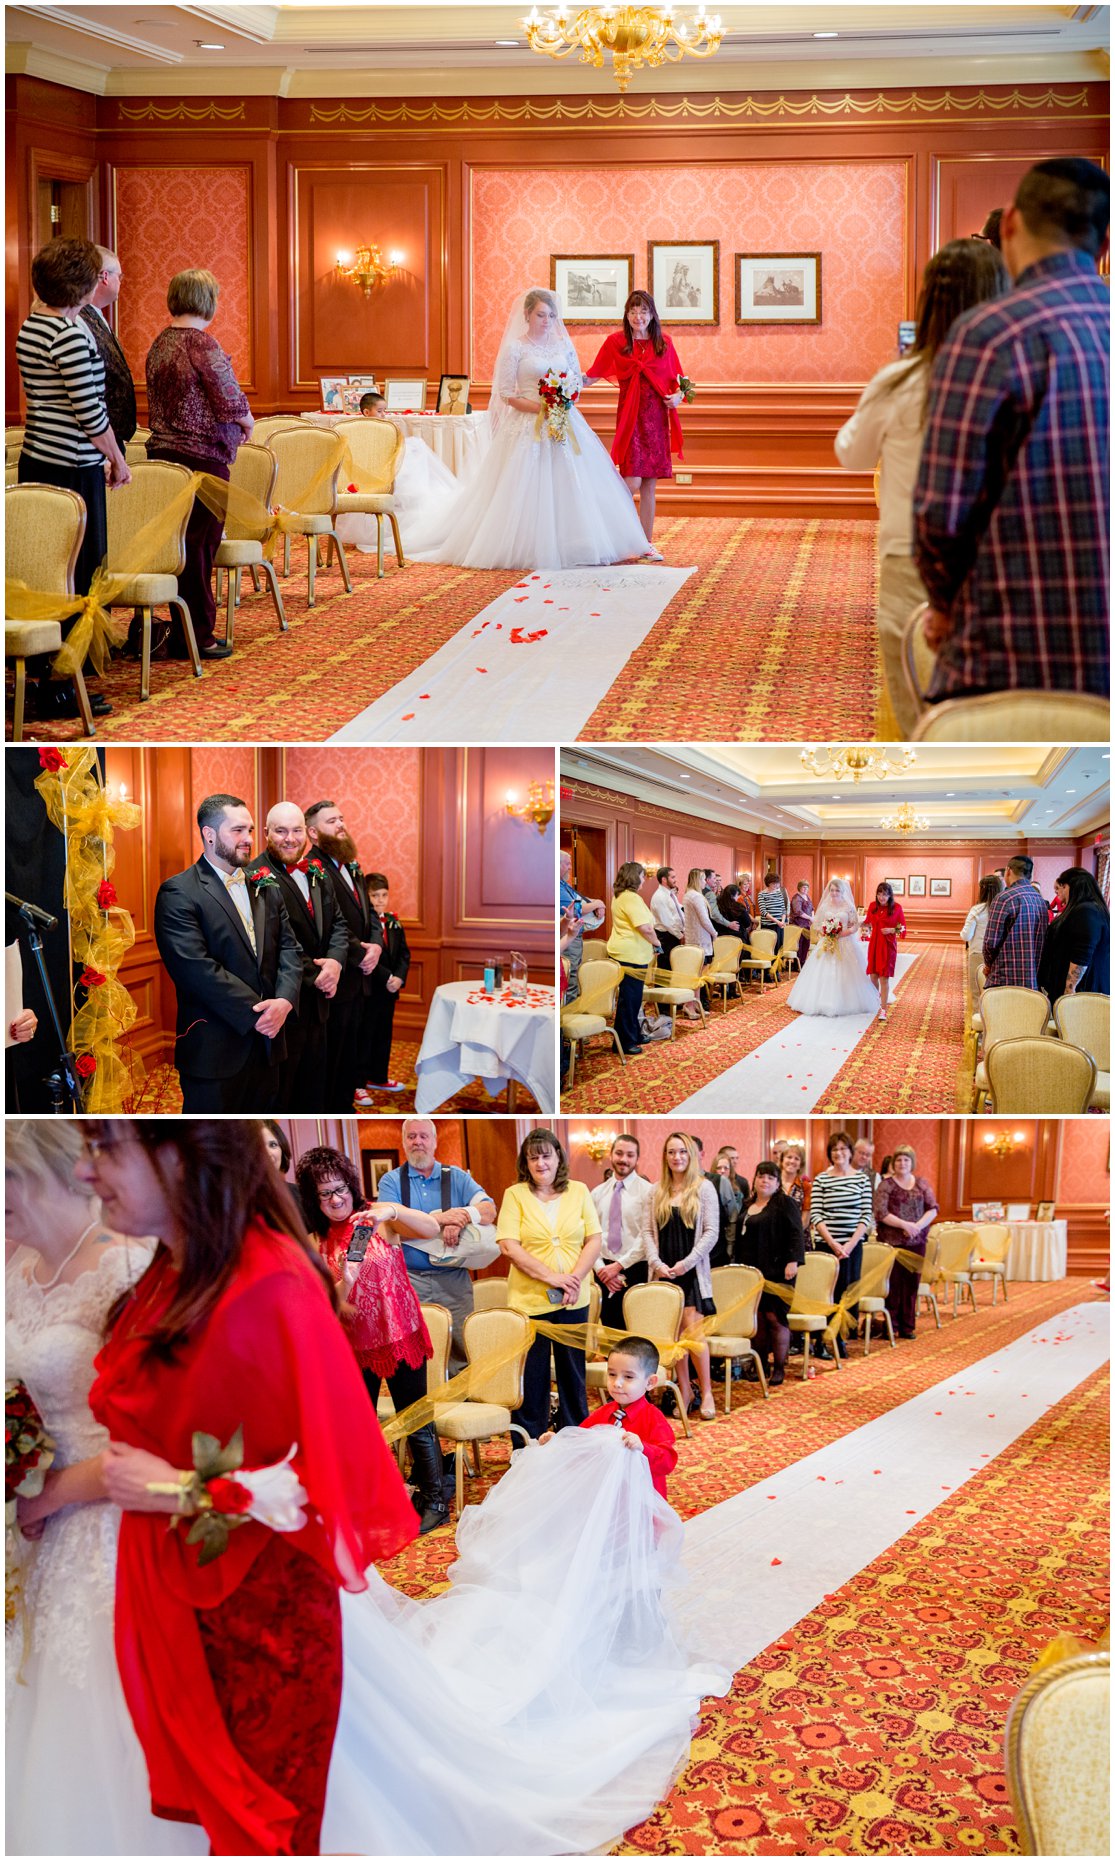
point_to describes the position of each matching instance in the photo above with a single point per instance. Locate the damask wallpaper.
(175, 219)
(381, 793)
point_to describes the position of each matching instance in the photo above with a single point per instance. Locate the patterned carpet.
(907, 1064)
(773, 638)
(875, 1726)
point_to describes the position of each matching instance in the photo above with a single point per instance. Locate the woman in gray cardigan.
(682, 1225)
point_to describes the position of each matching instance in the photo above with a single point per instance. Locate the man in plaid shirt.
(1011, 503)
(1016, 925)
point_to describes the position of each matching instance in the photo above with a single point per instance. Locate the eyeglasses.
(103, 1146)
(332, 1192)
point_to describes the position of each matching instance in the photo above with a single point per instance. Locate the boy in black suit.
(387, 980)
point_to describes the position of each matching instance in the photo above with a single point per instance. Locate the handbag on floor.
(657, 1028)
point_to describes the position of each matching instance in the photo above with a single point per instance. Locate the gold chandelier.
(367, 267)
(904, 821)
(851, 762)
(634, 35)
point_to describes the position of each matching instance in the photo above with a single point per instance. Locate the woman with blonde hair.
(683, 1221)
(699, 931)
(793, 1173)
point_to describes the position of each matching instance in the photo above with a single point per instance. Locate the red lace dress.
(389, 1328)
(882, 951)
(647, 431)
(232, 1670)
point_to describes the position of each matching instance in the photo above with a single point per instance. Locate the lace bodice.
(526, 362)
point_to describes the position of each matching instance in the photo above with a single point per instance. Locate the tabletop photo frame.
(405, 394)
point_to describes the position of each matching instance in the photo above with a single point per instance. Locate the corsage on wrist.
(216, 1503)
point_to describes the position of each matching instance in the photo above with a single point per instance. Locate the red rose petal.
(481, 668)
(407, 715)
(423, 694)
(775, 1560)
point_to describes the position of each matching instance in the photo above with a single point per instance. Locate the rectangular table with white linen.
(473, 1033)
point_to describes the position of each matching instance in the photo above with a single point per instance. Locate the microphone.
(33, 913)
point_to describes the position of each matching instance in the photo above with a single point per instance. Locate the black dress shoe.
(217, 649)
(55, 699)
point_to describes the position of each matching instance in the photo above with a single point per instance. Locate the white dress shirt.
(636, 1193)
(888, 426)
(667, 913)
(236, 885)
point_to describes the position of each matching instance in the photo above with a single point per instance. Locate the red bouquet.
(28, 1449)
(558, 402)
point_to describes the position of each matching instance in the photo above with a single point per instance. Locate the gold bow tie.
(237, 877)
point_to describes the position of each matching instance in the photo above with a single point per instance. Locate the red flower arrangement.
(28, 1449)
(557, 402)
(52, 760)
(106, 894)
(86, 1066)
(92, 978)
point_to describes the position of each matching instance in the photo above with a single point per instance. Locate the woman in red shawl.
(643, 360)
(231, 1663)
(884, 924)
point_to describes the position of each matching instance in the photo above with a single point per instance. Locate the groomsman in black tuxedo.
(387, 980)
(228, 947)
(120, 394)
(346, 1065)
(323, 939)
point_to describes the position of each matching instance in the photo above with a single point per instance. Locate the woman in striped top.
(841, 1213)
(774, 907)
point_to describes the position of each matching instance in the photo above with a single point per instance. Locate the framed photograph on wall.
(592, 288)
(376, 1164)
(778, 287)
(684, 280)
(452, 394)
(333, 389)
(917, 885)
(897, 886)
(940, 888)
(405, 396)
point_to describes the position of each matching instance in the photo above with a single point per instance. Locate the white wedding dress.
(834, 981)
(542, 1705)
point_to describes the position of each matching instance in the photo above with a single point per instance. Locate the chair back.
(655, 1310)
(1058, 1736)
(304, 484)
(876, 1255)
(13, 443)
(490, 1295)
(1008, 1013)
(376, 449)
(131, 507)
(274, 423)
(686, 966)
(254, 471)
(762, 945)
(729, 1286)
(995, 1235)
(1040, 1074)
(439, 1324)
(815, 1282)
(726, 952)
(1085, 1021)
(1017, 717)
(595, 1301)
(597, 983)
(953, 1244)
(792, 941)
(498, 1331)
(43, 531)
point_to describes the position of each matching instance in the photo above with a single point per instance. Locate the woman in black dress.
(683, 1221)
(773, 1240)
(1076, 954)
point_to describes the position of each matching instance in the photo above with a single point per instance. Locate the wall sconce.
(367, 267)
(538, 806)
(1003, 1144)
(597, 1143)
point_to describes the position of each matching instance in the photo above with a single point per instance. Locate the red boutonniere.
(91, 978)
(106, 894)
(391, 921)
(262, 876)
(86, 1066)
(229, 1496)
(52, 760)
(315, 869)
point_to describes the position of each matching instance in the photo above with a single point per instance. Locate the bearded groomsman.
(322, 937)
(227, 945)
(346, 1064)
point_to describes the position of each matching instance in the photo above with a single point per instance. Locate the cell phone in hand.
(555, 1295)
(358, 1246)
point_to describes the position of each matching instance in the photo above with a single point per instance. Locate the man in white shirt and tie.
(623, 1205)
(667, 913)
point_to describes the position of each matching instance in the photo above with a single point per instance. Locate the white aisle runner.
(762, 1560)
(531, 668)
(791, 1070)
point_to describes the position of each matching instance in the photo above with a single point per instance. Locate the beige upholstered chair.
(926, 1292)
(135, 452)
(1058, 1751)
(814, 1286)
(1040, 1075)
(723, 970)
(490, 1295)
(1085, 1021)
(997, 1236)
(684, 987)
(307, 492)
(1016, 717)
(732, 1340)
(274, 423)
(13, 444)
(372, 444)
(874, 1304)
(655, 1311)
(130, 509)
(949, 1248)
(918, 660)
(486, 1411)
(44, 526)
(791, 945)
(1006, 1013)
(596, 1367)
(759, 959)
(439, 1324)
(254, 471)
(598, 983)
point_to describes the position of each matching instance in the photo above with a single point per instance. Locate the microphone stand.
(63, 1083)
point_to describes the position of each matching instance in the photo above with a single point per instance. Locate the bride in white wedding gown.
(542, 1705)
(834, 980)
(535, 502)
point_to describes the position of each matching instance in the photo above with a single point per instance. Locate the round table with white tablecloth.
(472, 1033)
(1038, 1250)
(459, 440)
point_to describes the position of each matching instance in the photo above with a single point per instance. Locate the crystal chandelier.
(367, 267)
(904, 821)
(634, 35)
(850, 762)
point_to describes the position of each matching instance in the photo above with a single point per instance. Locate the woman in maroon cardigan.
(199, 418)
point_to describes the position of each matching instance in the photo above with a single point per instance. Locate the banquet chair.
(1040, 1074)
(656, 1311)
(918, 660)
(13, 444)
(791, 945)
(873, 1305)
(596, 1367)
(1016, 717)
(814, 1286)
(155, 485)
(723, 970)
(274, 423)
(949, 1247)
(254, 471)
(994, 1234)
(486, 1411)
(598, 983)
(44, 526)
(1006, 1013)
(732, 1339)
(490, 1295)
(761, 959)
(439, 1324)
(1085, 1021)
(684, 987)
(307, 492)
(926, 1292)
(375, 449)
(135, 452)
(1058, 1746)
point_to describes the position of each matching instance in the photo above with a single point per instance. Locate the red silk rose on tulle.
(86, 1066)
(52, 760)
(92, 978)
(106, 894)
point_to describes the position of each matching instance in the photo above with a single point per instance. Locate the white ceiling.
(986, 792)
(456, 48)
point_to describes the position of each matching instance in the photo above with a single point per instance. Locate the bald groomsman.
(120, 394)
(322, 937)
(345, 1061)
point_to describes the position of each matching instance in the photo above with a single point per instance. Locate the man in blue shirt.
(586, 907)
(455, 1199)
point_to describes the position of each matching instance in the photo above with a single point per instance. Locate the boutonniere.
(315, 871)
(391, 921)
(262, 876)
(355, 868)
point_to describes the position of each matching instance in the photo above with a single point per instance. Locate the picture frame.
(333, 393)
(683, 277)
(987, 1211)
(452, 394)
(1018, 1211)
(940, 888)
(364, 384)
(375, 1165)
(897, 886)
(593, 287)
(778, 287)
(1046, 1211)
(350, 395)
(404, 394)
(916, 883)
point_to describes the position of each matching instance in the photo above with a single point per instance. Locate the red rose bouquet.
(558, 402)
(28, 1449)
